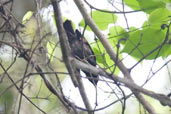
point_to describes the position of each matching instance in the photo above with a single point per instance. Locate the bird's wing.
(88, 52)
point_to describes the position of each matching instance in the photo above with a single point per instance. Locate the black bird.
(80, 49)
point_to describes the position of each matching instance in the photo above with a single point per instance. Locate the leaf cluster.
(148, 42)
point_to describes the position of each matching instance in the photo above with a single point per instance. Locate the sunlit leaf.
(133, 4)
(117, 32)
(159, 16)
(102, 19)
(99, 56)
(149, 5)
(103, 59)
(142, 42)
(27, 16)
(167, 1)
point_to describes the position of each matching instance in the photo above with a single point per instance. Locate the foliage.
(101, 22)
(140, 42)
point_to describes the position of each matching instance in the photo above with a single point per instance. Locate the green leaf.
(102, 19)
(117, 32)
(167, 47)
(159, 16)
(133, 4)
(158, 0)
(132, 29)
(99, 57)
(165, 1)
(103, 59)
(143, 42)
(145, 24)
(27, 16)
(149, 5)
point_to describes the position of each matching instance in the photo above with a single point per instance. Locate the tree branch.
(89, 21)
(67, 53)
(164, 100)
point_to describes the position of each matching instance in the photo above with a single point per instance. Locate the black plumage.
(80, 49)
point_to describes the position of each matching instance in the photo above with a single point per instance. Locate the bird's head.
(69, 30)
